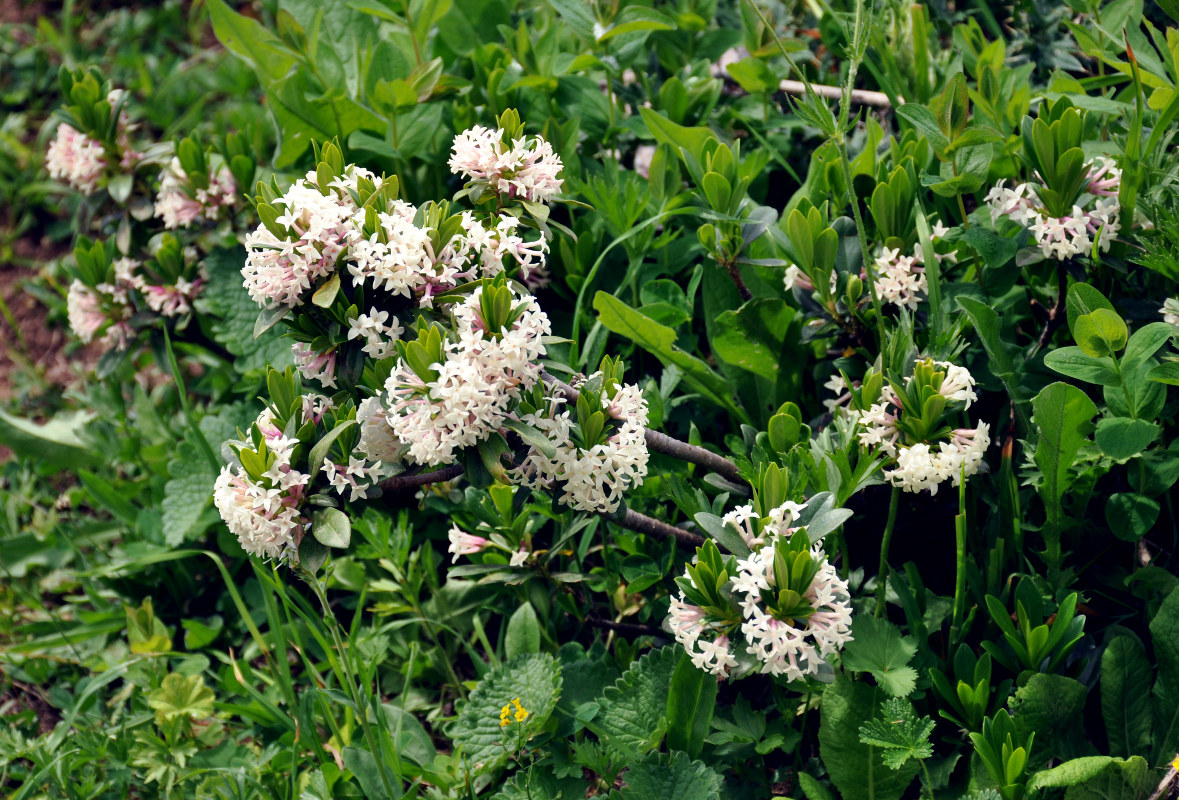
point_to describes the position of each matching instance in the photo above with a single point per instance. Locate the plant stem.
(925, 772)
(641, 523)
(333, 625)
(399, 483)
(960, 575)
(881, 579)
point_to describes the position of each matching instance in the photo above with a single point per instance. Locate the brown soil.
(36, 345)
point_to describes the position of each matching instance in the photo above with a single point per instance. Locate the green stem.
(881, 574)
(925, 771)
(862, 233)
(960, 574)
(333, 625)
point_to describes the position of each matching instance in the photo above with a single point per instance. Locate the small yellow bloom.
(521, 712)
(504, 716)
(1175, 763)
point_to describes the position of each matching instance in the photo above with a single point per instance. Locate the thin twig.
(399, 483)
(1055, 317)
(641, 523)
(863, 97)
(625, 627)
(662, 443)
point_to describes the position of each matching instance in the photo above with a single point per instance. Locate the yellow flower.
(521, 712)
(503, 716)
(1175, 763)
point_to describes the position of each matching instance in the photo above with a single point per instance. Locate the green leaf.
(690, 705)
(924, 122)
(577, 15)
(1084, 299)
(319, 452)
(757, 337)
(1145, 342)
(1053, 707)
(1130, 515)
(109, 498)
(536, 680)
(1097, 778)
(187, 492)
(225, 298)
(1121, 438)
(856, 769)
(181, 697)
(1125, 696)
(250, 41)
(1063, 415)
(633, 714)
(325, 295)
(637, 18)
(900, 732)
(1073, 362)
(1164, 634)
(331, 527)
(361, 763)
(1101, 333)
(410, 739)
(1167, 373)
(670, 776)
(667, 132)
(523, 633)
(878, 647)
(659, 340)
(57, 443)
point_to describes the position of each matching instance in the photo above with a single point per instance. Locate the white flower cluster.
(76, 159)
(900, 280)
(356, 477)
(1170, 311)
(597, 478)
(319, 227)
(483, 372)
(527, 170)
(90, 308)
(314, 365)
(377, 332)
(692, 627)
(746, 522)
(179, 205)
(794, 648)
(1063, 237)
(266, 515)
(919, 466)
(377, 442)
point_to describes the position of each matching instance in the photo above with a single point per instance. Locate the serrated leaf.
(633, 713)
(536, 680)
(672, 776)
(1053, 706)
(900, 732)
(181, 697)
(190, 487)
(225, 298)
(878, 647)
(856, 769)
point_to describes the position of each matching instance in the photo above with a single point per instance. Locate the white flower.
(75, 158)
(319, 229)
(899, 279)
(356, 477)
(377, 442)
(529, 169)
(84, 311)
(179, 204)
(794, 648)
(958, 385)
(480, 377)
(464, 544)
(1170, 311)
(919, 467)
(314, 365)
(594, 479)
(519, 557)
(378, 336)
(266, 521)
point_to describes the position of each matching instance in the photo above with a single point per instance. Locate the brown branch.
(662, 443)
(625, 627)
(1056, 314)
(863, 97)
(641, 523)
(399, 483)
